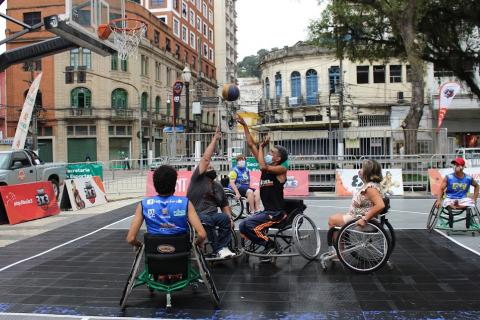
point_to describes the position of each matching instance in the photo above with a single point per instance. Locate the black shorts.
(243, 191)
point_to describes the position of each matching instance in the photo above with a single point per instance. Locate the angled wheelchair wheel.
(433, 217)
(363, 249)
(306, 237)
(132, 276)
(237, 206)
(206, 276)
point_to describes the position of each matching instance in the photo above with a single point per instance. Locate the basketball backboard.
(80, 23)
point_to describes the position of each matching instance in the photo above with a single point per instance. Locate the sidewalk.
(12, 233)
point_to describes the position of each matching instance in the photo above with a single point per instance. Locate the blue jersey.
(241, 176)
(165, 215)
(457, 188)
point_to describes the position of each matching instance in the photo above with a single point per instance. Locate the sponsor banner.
(296, 185)
(84, 170)
(183, 181)
(436, 176)
(28, 201)
(347, 182)
(27, 110)
(83, 192)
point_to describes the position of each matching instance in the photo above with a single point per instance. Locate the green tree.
(249, 66)
(407, 29)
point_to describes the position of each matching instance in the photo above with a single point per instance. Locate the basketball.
(230, 92)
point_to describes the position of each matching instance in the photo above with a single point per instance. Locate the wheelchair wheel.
(391, 233)
(363, 249)
(206, 276)
(433, 217)
(236, 206)
(132, 277)
(306, 237)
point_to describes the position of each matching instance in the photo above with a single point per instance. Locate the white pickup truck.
(24, 166)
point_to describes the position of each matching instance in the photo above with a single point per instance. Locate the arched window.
(157, 104)
(267, 88)
(81, 98)
(312, 86)
(296, 84)
(208, 118)
(119, 99)
(213, 119)
(278, 85)
(144, 101)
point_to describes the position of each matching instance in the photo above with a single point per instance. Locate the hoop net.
(127, 34)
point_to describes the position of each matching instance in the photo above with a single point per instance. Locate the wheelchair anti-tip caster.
(195, 287)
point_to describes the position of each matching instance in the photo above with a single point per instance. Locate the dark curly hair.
(165, 180)
(372, 171)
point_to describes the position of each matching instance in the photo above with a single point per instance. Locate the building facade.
(226, 36)
(302, 92)
(93, 106)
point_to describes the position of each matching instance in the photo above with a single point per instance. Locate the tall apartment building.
(226, 38)
(97, 106)
(192, 23)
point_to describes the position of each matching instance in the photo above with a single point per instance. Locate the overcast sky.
(265, 24)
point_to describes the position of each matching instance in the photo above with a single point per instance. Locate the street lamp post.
(186, 77)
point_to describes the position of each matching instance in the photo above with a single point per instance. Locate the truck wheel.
(56, 188)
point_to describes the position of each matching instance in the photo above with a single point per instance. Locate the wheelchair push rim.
(306, 237)
(363, 249)
(132, 277)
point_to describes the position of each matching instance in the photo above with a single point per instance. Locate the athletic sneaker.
(225, 253)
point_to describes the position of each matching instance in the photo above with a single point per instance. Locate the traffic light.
(329, 111)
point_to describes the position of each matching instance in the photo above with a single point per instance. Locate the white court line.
(457, 242)
(61, 245)
(390, 210)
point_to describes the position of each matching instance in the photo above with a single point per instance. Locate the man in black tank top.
(272, 181)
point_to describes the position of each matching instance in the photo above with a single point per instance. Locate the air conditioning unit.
(400, 97)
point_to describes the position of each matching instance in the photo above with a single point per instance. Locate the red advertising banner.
(183, 181)
(29, 201)
(296, 185)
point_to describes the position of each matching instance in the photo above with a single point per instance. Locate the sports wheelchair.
(444, 218)
(295, 235)
(168, 267)
(361, 249)
(207, 249)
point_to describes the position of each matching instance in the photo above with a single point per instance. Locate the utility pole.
(340, 113)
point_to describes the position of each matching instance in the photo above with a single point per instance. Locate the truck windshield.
(4, 160)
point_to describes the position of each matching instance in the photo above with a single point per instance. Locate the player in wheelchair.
(359, 238)
(168, 242)
(446, 212)
(255, 228)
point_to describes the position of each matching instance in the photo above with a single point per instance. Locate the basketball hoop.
(127, 33)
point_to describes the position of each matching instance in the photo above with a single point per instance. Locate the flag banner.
(447, 92)
(26, 115)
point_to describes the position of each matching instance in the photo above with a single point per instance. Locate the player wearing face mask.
(272, 180)
(240, 184)
(207, 196)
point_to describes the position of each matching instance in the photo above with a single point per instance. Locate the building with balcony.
(226, 37)
(101, 106)
(302, 92)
